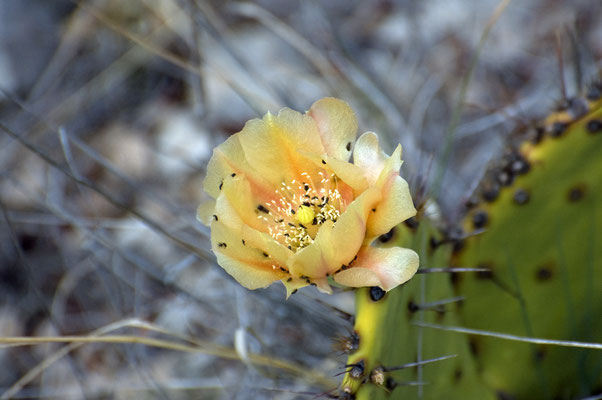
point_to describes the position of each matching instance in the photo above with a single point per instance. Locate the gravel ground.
(109, 112)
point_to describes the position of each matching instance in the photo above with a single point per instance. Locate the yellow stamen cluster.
(300, 207)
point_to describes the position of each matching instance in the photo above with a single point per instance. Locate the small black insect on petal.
(222, 244)
(263, 209)
(348, 147)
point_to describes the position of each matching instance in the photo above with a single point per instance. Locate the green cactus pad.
(388, 337)
(540, 219)
(542, 241)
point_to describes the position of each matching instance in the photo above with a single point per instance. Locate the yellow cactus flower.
(288, 205)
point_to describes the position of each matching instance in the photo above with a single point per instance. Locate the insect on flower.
(289, 205)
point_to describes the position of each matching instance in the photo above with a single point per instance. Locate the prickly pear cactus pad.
(386, 363)
(541, 216)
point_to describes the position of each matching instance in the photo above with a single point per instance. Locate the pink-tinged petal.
(315, 260)
(205, 212)
(272, 145)
(293, 284)
(395, 207)
(323, 285)
(337, 124)
(383, 267)
(245, 264)
(368, 156)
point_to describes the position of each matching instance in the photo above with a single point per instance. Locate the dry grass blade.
(194, 346)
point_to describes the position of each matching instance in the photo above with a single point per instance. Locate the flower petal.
(350, 174)
(315, 260)
(337, 124)
(272, 145)
(229, 160)
(236, 204)
(390, 167)
(205, 211)
(396, 206)
(269, 247)
(368, 155)
(383, 267)
(245, 264)
(336, 244)
(293, 284)
(350, 229)
(323, 285)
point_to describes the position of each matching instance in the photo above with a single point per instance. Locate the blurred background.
(109, 111)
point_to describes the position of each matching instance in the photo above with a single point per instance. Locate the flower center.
(298, 209)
